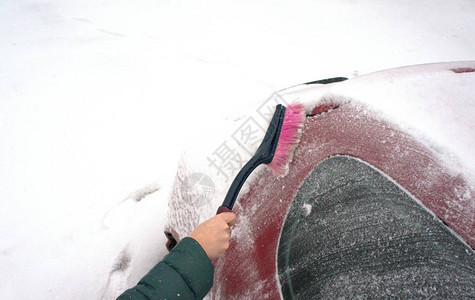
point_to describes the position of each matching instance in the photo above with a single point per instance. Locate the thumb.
(228, 217)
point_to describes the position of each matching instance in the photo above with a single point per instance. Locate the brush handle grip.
(222, 209)
(238, 182)
(263, 155)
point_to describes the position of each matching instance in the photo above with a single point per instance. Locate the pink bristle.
(289, 138)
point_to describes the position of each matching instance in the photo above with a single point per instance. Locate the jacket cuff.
(190, 260)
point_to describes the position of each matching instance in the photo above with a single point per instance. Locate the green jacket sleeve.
(185, 273)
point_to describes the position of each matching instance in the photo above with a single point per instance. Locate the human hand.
(213, 235)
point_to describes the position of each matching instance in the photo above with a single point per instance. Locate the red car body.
(336, 127)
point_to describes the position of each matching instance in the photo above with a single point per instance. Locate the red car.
(384, 168)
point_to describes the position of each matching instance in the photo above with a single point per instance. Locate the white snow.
(307, 208)
(98, 99)
(430, 101)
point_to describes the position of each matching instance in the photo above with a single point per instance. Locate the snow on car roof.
(434, 102)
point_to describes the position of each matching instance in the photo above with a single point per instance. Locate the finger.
(229, 218)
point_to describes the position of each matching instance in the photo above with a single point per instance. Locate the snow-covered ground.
(99, 98)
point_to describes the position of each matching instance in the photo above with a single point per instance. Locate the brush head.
(289, 138)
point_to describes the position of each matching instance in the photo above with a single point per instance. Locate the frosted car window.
(351, 232)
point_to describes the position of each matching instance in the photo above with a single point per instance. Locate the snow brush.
(276, 149)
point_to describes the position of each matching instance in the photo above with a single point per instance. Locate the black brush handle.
(263, 155)
(239, 181)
